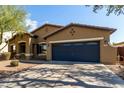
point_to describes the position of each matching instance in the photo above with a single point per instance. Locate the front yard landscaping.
(117, 69)
(57, 75)
(63, 76)
(6, 69)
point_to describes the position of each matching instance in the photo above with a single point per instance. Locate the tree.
(116, 9)
(12, 18)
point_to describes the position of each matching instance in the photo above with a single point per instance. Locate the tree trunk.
(3, 47)
(1, 37)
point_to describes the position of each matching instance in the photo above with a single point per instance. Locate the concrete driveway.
(68, 76)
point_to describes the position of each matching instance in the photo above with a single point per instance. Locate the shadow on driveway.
(49, 83)
(62, 76)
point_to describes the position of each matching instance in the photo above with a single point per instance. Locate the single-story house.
(73, 42)
(120, 51)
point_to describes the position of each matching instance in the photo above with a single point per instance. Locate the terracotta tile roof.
(81, 25)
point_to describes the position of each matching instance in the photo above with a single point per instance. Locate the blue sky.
(64, 15)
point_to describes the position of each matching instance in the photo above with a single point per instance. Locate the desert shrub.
(22, 56)
(14, 63)
(6, 55)
(1, 56)
(43, 57)
(13, 55)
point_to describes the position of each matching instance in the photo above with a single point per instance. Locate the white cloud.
(33, 24)
(7, 35)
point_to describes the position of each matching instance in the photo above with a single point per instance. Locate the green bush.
(22, 56)
(14, 63)
(43, 57)
(6, 55)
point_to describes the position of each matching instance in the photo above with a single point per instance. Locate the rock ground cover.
(68, 76)
(6, 70)
(117, 69)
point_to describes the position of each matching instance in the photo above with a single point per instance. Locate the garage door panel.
(85, 53)
(91, 53)
(80, 51)
(60, 52)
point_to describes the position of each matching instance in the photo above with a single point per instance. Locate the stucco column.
(108, 54)
(49, 51)
(28, 52)
(17, 48)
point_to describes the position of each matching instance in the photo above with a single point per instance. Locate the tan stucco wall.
(40, 33)
(29, 41)
(16, 41)
(44, 31)
(107, 54)
(80, 33)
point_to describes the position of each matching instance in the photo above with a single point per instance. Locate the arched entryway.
(22, 47)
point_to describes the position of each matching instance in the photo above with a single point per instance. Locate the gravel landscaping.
(64, 76)
(58, 75)
(6, 70)
(117, 69)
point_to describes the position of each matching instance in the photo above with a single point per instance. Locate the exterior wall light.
(106, 42)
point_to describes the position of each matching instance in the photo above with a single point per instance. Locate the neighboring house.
(120, 44)
(120, 47)
(4, 45)
(73, 43)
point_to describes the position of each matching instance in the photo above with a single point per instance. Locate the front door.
(22, 47)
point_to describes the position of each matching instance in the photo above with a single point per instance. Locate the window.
(92, 43)
(67, 44)
(78, 44)
(41, 48)
(44, 47)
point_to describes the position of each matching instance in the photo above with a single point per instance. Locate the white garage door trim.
(75, 40)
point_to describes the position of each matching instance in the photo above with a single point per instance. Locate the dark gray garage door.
(79, 51)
